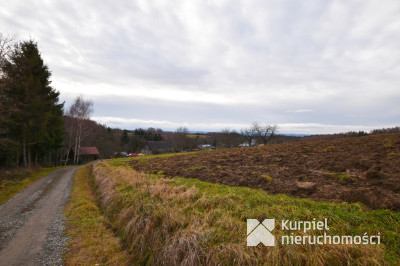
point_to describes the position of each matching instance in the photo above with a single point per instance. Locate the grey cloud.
(339, 58)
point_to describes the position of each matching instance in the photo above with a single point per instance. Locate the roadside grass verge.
(15, 180)
(180, 220)
(90, 241)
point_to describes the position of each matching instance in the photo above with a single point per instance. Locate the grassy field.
(91, 242)
(183, 220)
(15, 180)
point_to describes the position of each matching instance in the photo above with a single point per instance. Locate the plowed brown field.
(364, 169)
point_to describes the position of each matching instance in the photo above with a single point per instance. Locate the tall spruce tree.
(8, 147)
(34, 120)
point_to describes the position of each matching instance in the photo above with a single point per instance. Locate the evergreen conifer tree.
(34, 119)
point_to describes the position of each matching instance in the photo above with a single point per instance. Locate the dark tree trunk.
(24, 154)
(29, 156)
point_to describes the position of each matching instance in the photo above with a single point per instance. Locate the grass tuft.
(268, 178)
(345, 178)
(197, 167)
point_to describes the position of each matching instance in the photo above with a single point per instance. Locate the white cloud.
(296, 128)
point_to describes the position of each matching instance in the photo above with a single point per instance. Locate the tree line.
(31, 116)
(34, 130)
(34, 127)
(256, 134)
(132, 141)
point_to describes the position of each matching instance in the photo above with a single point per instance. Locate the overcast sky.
(308, 66)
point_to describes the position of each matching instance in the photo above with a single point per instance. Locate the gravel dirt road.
(32, 222)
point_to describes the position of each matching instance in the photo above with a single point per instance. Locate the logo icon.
(260, 232)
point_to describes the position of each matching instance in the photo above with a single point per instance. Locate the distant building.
(156, 147)
(246, 143)
(204, 147)
(88, 154)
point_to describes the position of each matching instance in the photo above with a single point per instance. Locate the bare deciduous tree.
(6, 44)
(80, 110)
(229, 138)
(249, 134)
(264, 132)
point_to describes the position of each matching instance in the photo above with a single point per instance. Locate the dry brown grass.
(161, 222)
(153, 231)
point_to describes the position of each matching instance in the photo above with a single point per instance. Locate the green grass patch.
(329, 148)
(345, 178)
(182, 220)
(14, 181)
(330, 174)
(121, 161)
(340, 177)
(90, 241)
(344, 219)
(197, 167)
(267, 177)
